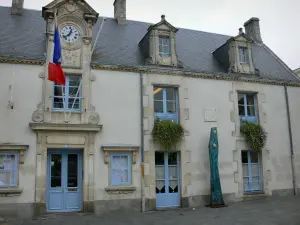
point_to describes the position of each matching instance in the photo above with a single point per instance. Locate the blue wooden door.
(167, 170)
(64, 181)
(251, 172)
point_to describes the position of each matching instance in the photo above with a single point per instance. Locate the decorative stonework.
(120, 148)
(120, 190)
(10, 192)
(38, 116)
(64, 127)
(151, 43)
(71, 58)
(87, 40)
(42, 75)
(94, 118)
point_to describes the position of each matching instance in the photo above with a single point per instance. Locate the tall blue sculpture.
(216, 198)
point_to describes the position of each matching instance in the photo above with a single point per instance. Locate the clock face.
(69, 33)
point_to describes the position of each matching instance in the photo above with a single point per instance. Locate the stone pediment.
(75, 7)
(241, 37)
(163, 25)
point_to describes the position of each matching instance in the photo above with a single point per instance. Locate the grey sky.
(279, 19)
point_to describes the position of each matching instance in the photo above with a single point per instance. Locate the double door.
(167, 170)
(64, 180)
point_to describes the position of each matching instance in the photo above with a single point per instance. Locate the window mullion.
(249, 170)
(245, 105)
(165, 100)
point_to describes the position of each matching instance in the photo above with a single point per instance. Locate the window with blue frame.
(243, 51)
(166, 103)
(251, 171)
(65, 97)
(8, 169)
(164, 45)
(247, 107)
(120, 170)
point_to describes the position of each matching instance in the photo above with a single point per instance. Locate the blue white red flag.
(55, 72)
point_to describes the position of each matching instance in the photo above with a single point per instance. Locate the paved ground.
(280, 210)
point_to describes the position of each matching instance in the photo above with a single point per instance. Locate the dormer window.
(236, 54)
(159, 45)
(243, 54)
(164, 45)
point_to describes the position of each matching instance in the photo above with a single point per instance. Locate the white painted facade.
(109, 121)
(116, 99)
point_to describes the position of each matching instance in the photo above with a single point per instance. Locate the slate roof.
(24, 37)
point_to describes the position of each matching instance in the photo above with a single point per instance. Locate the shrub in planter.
(167, 134)
(255, 135)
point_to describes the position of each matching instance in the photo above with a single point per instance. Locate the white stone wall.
(197, 97)
(115, 96)
(14, 123)
(294, 93)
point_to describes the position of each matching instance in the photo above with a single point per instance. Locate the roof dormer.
(159, 44)
(236, 54)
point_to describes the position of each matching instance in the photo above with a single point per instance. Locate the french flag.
(55, 72)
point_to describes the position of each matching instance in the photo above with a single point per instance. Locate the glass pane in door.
(173, 172)
(160, 172)
(72, 170)
(56, 170)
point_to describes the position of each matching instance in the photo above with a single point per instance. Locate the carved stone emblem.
(94, 118)
(38, 116)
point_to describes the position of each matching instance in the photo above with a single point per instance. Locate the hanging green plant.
(167, 134)
(255, 135)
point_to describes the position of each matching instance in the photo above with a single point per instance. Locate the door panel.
(64, 186)
(251, 171)
(167, 179)
(55, 192)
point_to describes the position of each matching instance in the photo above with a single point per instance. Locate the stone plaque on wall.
(71, 58)
(210, 115)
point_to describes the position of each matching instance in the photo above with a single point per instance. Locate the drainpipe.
(142, 144)
(291, 140)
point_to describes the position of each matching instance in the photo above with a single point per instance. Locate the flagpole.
(79, 87)
(62, 88)
(80, 84)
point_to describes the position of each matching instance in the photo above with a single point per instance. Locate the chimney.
(241, 30)
(120, 11)
(253, 30)
(17, 7)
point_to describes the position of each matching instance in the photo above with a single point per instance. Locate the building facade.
(88, 146)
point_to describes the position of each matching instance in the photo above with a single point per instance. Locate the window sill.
(120, 189)
(67, 111)
(10, 191)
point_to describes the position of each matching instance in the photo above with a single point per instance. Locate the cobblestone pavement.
(279, 210)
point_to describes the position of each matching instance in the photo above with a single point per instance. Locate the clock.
(69, 33)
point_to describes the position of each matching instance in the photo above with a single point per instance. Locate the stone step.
(254, 197)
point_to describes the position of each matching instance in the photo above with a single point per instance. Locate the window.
(243, 54)
(251, 171)
(8, 169)
(120, 170)
(166, 103)
(164, 45)
(247, 107)
(67, 94)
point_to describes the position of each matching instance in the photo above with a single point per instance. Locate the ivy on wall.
(167, 134)
(255, 134)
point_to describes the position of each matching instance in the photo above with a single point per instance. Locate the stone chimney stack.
(252, 29)
(120, 11)
(17, 7)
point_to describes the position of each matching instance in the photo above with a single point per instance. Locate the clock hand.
(71, 31)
